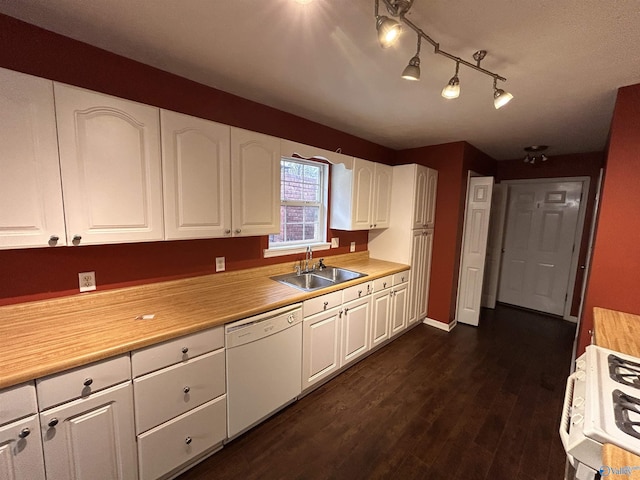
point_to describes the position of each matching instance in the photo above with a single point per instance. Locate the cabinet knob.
(290, 319)
(371, 226)
(384, 285)
(375, 225)
(87, 382)
(54, 238)
(186, 389)
(77, 238)
(24, 433)
(188, 440)
(359, 293)
(238, 230)
(402, 279)
(326, 304)
(53, 422)
(346, 310)
(185, 349)
(228, 231)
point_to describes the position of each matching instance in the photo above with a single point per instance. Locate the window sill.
(290, 250)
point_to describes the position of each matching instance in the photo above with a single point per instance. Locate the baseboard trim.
(572, 319)
(447, 327)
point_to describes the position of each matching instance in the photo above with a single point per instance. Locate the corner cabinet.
(255, 183)
(196, 172)
(360, 195)
(30, 190)
(111, 167)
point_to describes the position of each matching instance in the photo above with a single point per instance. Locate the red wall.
(30, 274)
(614, 280)
(558, 166)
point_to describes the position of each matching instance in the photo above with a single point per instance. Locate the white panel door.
(255, 183)
(91, 438)
(321, 335)
(381, 198)
(420, 203)
(494, 246)
(474, 249)
(196, 177)
(111, 167)
(538, 245)
(363, 176)
(31, 213)
(21, 450)
(380, 317)
(432, 190)
(355, 329)
(399, 297)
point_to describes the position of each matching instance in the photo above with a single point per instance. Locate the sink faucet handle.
(321, 265)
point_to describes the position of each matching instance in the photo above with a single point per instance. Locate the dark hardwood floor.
(476, 403)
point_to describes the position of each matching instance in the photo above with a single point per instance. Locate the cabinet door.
(21, 450)
(92, 437)
(31, 213)
(196, 177)
(399, 298)
(111, 169)
(416, 284)
(255, 183)
(420, 200)
(432, 189)
(355, 330)
(363, 183)
(381, 198)
(320, 346)
(380, 310)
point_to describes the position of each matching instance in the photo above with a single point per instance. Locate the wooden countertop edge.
(140, 296)
(618, 331)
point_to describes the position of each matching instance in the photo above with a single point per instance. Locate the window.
(303, 202)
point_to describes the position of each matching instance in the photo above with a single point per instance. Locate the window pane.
(311, 214)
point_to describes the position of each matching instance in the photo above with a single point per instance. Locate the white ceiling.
(563, 60)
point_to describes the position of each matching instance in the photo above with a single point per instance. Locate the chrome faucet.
(307, 258)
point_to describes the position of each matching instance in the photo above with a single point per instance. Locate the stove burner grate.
(627, 413)
(625, 372)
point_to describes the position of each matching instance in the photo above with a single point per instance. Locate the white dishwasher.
(264, 366)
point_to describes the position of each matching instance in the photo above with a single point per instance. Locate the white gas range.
(601, 405)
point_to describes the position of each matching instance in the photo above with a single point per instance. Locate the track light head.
(388, 30)
(452, 89)
(500, 97)
(412, 71)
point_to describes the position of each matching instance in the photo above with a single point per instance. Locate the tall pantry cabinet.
(409, 238)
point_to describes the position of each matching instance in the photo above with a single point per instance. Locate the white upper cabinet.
(31, 213)
(255, 183)
(426, 183)
(360, 195)
(196, 177)
(111, 167)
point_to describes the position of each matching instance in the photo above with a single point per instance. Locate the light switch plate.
(335, 242)
(87, 281)
(352, 248)
(220, 264)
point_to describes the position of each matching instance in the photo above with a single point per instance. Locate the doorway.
(541, 243)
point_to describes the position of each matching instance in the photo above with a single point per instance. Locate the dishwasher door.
(264, 366)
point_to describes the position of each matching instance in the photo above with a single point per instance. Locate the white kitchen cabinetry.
(356, 323)
(360, 195)
(196, 177)
(86, 417)
(111, 167)
(399, 301)
(320, 346)
(409, 238)
(180, 402)
(21, 456)
(390, 302)
(30, 192)
(255, 183)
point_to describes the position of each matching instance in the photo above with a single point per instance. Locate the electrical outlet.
(219, 264)
(352, 248)
(335, 242)
(87, 281)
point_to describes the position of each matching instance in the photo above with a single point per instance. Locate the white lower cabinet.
(164, 449)
(355, 329)
(398, 308)
(91, 438)
(380, 312)
(21, 450)
(320, 346)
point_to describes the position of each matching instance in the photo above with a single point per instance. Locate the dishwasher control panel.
(261, 326)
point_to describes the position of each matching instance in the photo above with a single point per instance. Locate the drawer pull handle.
(185, 349)
(53, 422)
(87, 382)
(186, 389)
(188, 440)
(384, 285)
(24, 433)
(326, 304)
(359, 293)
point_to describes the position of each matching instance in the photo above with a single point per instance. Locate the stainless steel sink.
(318, 278)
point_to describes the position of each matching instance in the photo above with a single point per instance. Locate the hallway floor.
(475, 403)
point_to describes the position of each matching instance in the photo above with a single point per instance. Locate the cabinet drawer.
(382, 283)
(357, 291)
(174, 390)
(401, 277)
(175, 351)
(82, 381)
(17, 402)
(321, 303)
(172, 444)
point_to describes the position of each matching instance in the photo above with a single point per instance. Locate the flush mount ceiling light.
(535, 154)
(389, 31)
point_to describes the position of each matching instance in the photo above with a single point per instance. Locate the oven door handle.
(565, 422)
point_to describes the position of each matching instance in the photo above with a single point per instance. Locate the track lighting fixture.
(412, 71)
(534, 154)
(452, 89)
(389, 30)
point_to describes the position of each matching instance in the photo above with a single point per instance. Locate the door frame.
(577, 240)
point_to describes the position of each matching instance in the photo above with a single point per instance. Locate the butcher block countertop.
(620, 332)
(50, 336)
